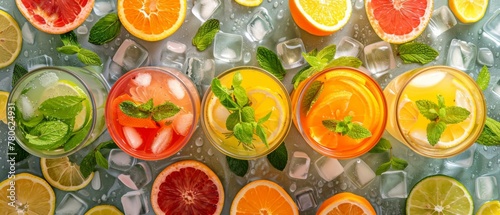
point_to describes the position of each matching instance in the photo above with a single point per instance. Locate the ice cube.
(176, 89)
(103, 7)
(162, 140)
(486, 187)
(429, 79)
(462, 160)
(96, 181)
(379, 58)
(71, 204)
(491, 27)
(290, 53)
(137, 177)
(228, 47)
(182, 123)
(26, 107)
(120, 160)
(130, 55)
(259, 25)
(359, 173)
(204, 9)
(194, 69)
(442, 20)
(299, 165)
(349, 46)
(135, 203)
(142, 79)
(328, 168)
(485, 57)
(115, 71)
(39, 61)
(132, 136)
(496, 88)
(208, 70)
(127, 181)
(174, 54)
(305, 199)
(393, 184)
(461, 54)
(28, 33)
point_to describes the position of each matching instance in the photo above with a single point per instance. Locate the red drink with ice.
(152, 112)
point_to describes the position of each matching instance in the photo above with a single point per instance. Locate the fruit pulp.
(266, 94)
(144, 137)
(409, 126)
(343, 92)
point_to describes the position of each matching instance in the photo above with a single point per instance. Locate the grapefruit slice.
(187, 187)
(346, 203)
(399, 21)
(56, 16)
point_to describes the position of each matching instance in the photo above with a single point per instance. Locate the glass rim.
(457, 149)
(286, 128)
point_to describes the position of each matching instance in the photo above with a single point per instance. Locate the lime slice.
(11, 39)
(489, 208)
(439, 194)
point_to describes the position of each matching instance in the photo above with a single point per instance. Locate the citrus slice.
(439, 194)
(187, 187)
(55, 17)
(3, 106)
(63, 174)
(320, 18)
(152, 20)
(263, 102)
(33, 195)
(249, 3)
(489, 208)
(346, 203)
(104, 210)
(399, 21)
(468, 11)
(407, 114)
(11, 39)
(263, 197)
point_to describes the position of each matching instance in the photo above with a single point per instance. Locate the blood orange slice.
(399, 21)
(56, 16)
(187, 187)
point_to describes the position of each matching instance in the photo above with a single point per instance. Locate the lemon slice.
(449, 196)
(489, 208)
(63, 174)
(104, 210)
(33, 195)
(3, 106)
(407, 114)
(11, 39)
(263, 102)
(468, 11)
(249, 3)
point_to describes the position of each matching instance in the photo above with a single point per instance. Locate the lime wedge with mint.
(439, 194)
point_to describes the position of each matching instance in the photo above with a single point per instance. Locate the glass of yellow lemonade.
(227, 118)
(441, 89)
(340, 112)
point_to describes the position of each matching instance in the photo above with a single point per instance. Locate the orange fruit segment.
(152, 20)
(468, 11)
(129, 121)
(320, 18)
(346, 204)
(399, 21)
(263, 197)
(55, 17)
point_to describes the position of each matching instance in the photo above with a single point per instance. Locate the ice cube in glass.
(290, 53)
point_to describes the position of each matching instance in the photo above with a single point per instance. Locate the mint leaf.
(317, 63)
(345, 61)
(428, 109)
(261, 133)
(19, 72)
(299, 73)
(303, 76)
(241, 95)
(237, 79)
(398, 163)
(265, 118)
(218, 90)
(89, 57)
(490, 136)
(279, 157)
(95, 157)
(232, 120)
(69, 39)
(88, 163)
(110, 144)
(454, 114)
(311, 95)
(131, 109)
(327, 52)
(347, 127)
(105, 29)
(165, 110)
(45, 134)
(148, 106)
(434, 131)
(270, 62)
(330, 124)
(243, 131)
(62, 107)
(358, 132)
(205, 34)
(383, 167)
(414, 52)
(483, 78)
(247, 114)
(101, 160)
(238, 167)
(68, 49)
(228, 103)
(77, 138)
(383, 145)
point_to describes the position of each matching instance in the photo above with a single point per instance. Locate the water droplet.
(320, 184)
(252, 171)
(275, 4)
(343, 186)
(279, 15)
(231, 16)
(198, 150)
(293, 187)
(490, 164)
(210, 152)
(199, 141)
(26, 54)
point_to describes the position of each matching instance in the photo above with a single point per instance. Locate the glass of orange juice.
(267, 99)
(407, 123)
(152, 112)
(340, 112)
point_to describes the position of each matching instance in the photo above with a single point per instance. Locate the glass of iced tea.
(435, 100)
(152, 112)
(246, 113)
(58, 110)
(340, 112)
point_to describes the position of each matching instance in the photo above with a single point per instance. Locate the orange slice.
(32, 194)
(346, 204)
(320, 18)
(152, 20)
(263, 197)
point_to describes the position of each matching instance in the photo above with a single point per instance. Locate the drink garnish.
(311, 95)
(269, 61)
(105, 29)
(347, 127)
(483, 78)
(71, 46)
(205, 34)
(414, 52)
(95, 157)
(440, 116)
(394, 162)
(146, 110)
(241, 121)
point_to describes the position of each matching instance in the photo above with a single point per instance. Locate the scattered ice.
(462, 160)
(135, 203)
(487, 187)
(103, 7)
(485, 57)
(491, 27)
(162, 140)
(173, 54)
(96, 181)
(132, 136)
(328, 168)
(290, 53)
(393, 184)
(39, 61)
(82, 30)
(204, 9)
(28, 33)
(359, 173)
(228, 47)
(442, 20)
(127, 181)
(259, 25)
(71, 204)
(299, 165)
(462, 54)
(120, 160)
(349, 46)
(305, 199)
(379, 58)
(130, 55)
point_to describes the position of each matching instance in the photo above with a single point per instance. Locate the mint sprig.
(95, 157)
(62, 107)
(237, 166)
(439, 116)
(241, 121)
(347, 127)
(105, 29)
(205, 34)
(395, 163)
(146, 110)
(483, 78)
(414, 52)
(269, 61)
(71, 46)
(279, 157)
